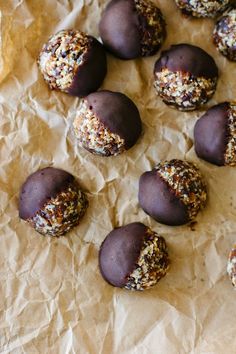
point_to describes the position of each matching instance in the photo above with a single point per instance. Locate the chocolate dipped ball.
(185, 77)
(133, 257)
(202, 8)
(107, 123)
(173, 192)
(215, 135)
(52, 202)
(73, 62)
(132, 28)
(224, 35)
(231, 266)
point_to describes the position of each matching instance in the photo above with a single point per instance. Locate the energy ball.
(52, 202)
(224, 35)
(132, 28)
(73, 62)
(215, 135)
(133, 257)
(202, 8)
(107, 123)
(173, 192)
(185, 77)
(231, 266)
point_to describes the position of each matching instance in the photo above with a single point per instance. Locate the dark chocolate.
(210, 134)
(91, 73)
(187, 58)
(119, 29)
(120, 251)
(159, 201)
(40, 187)
(118, 113)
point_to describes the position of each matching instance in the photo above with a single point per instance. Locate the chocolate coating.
(90, 75)
(126, 30)
(119, 253)
(118, 113)
(210, 134)
(39, 187)
(187, 58)
(158, 201)
(119, 29)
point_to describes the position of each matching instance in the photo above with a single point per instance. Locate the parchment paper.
(52, 297)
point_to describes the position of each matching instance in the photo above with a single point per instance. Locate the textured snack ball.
(185, 77)
(202, 8)
(107, 123)
(52, 202)
(73, 62)
(231, 266)
(133, 257)
(173, 192)
(132, 28)
(224, 35)
(215, 135)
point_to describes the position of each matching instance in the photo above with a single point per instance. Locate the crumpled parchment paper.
(52, 297)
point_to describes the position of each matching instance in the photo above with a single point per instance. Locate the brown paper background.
(52, 297)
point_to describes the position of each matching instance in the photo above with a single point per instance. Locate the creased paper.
(52, 297)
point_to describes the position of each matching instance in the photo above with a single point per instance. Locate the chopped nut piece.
(202, 8)
(224, 35)
(61, 213)
(230, 154)
(183, 90)
(153, 32)
(185, 179)
(152, 265)
(94, 136)
(61, 56)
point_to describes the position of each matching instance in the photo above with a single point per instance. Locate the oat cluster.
(152, 264)
(225, 35)
(61, 57)
(61, 213)
(183, 90)
(94, 136)
(230, 154)
(202, 8)
(185, 180)
(153, 33)
(231, 266)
